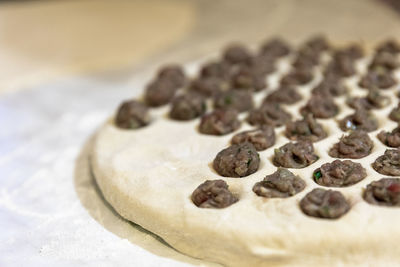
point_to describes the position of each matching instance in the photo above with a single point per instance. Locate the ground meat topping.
(388, 163)
(284, 95)
(384, 60)
(275, 48)
(361, 119)
(159, 92)
(317, 43)
(356, 145)
(391, 139)
(261, 64)
(187, 106)
(306, 58)
(374, 99)
(341, 67)
(237, 160)
(213, 194)
(219, 70)
(174, 74)
(238, 100)
(207, 86)
(395, 114)
(320, 106)
(219, 122)
(378, 78)
(281, 183)
(330, 87)
(262, 138)
(269, 114)
(321, 203)
(353, 51)
(132, 115)
(295, 155)
(236, 54)
(339, 173)
(306, 129)
(245, 78)
(384, 192)
(389, 46)
(297, 77)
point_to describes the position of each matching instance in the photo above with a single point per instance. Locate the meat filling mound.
(295, 155)
(174, 74)
(238, 100)
(384, 192)
(159, 92)
(132, 115)
(339, 173)
(330, 87)
(262, 138)
(219, 122)
(281, 183)
(305, 129)
(373, 100)
(378, 78)
(359, 120)
(356, 145)
(275, 48)
(327, 204)
(213, 194)
(207, 86)
(297, 77)
(394, 114)
(391, 139)
(269, 114)
(320, 106)
(187, 106)
(248, 79)
(237, 160)
(388, 163)
(285, 95)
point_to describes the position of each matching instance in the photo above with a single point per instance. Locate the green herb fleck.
(228, 100)
(248, 162)
(317, 175)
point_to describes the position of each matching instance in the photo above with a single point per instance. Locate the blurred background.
(45, 40)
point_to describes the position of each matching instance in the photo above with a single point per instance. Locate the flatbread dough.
(149, 174)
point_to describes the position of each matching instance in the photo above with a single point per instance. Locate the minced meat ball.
(306, 129)
(237, 160)
(384, 192)
(295, 155)
(281, 183)
(216, 69)
(389, 46)
(187, 106)
(377, 78)
(373, 100)
(213, 194)
(275, 48)
(297, 77)
(238, 100)
(321, 203)
(394, 114)
(330, 87)
(236, 54)
(207, 86)
(159, 92)
(262, 138)
(174, 74)
(318, 43)
(284, 95)
(356, 145)
(391, 139)
(320, 106)
(389, 163)
(269, 114)
(132, 115)
(384, 60)
(361, 119)
(339, 173)
(246, 78)
(219, 122)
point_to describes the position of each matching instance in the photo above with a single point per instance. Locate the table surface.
(66, 65)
